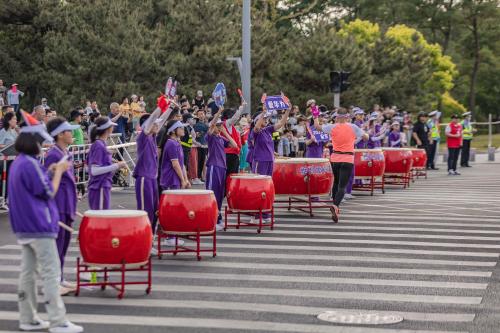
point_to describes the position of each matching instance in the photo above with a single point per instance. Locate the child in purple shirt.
(263, 152)
(66, 197)
(34, 219)
(173, 172)
(394, 139)
(146, 168)
(217, 139)
(100, 164)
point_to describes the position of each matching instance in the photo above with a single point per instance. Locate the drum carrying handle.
(191, 215)
(115, 242)
(263, 195)
(306, 178)
(370, 164)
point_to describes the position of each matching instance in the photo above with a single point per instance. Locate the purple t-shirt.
(394, 139)
(250, 141)
(263, 145)
(100, 156)
(147, 157)
(315, 149)
(65, 198)
(32, 209)
(168, 176)
(216, 154)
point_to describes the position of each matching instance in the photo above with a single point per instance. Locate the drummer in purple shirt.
(61, 131)
(315, 140)
(263, 152)
(173, 173)
(217, 139)
(395, 136)
(100, 164)
(146, 168)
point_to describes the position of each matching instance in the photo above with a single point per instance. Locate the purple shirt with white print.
(216, 154)
(100, 156)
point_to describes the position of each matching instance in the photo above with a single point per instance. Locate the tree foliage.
(400, 52)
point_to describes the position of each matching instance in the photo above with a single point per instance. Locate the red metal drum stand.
(303, 181)
(189, 215)
(257, 215)
(114, 241)
(105, 271)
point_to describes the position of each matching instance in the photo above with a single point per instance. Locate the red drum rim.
(302, 160)
(188, 192)
(417, 149)
(376, 150)
(112, 213)
(396, 149)
(250, 176)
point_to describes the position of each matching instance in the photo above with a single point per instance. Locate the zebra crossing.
(428, 254)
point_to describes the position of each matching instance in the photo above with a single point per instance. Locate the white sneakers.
(197, 181)
(219, 227)
(254, 220)
(66, 327)
(349, 196)
(67, 284)
(171, 242)
(36, 325)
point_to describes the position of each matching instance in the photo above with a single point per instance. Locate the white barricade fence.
(81, 170)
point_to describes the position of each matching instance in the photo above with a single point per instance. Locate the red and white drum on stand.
(419, 167)
(369, 167)
(398, 164)
(249, 194)
(187, 214)
(114, 241)
(302, 176)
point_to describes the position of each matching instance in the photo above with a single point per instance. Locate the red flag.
(163, 103)
(29, 119)
(240, 93)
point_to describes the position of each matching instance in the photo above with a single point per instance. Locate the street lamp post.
(246, 61)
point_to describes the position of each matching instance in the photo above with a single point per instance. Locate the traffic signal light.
(335, 82)
(339, 81)
(344, 83)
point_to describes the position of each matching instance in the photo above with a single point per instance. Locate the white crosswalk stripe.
(432, 268)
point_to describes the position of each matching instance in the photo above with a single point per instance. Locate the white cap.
(65, 126)
(175, 126)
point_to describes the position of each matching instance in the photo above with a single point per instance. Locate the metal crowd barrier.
(81, 171)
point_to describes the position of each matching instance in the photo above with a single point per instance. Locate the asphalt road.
(428, 253)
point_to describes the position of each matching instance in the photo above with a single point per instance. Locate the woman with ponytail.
(100, 164)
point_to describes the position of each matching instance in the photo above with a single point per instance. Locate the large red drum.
(368, 163)
(419, 158)
(302, 176)
(250, 192)
(397, 160)
(188, 211)
(110, 237)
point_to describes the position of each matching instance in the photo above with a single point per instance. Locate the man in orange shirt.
(344, 135)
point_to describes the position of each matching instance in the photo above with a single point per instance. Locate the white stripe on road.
(363, 241)
(220, 324)
(388, 235)
(323, 268)
(370, 250)
(257, 307)
(309, 293)
(318, 257)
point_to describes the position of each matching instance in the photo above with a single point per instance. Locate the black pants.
(202, 155)
(453, 158)
(341, 173)
(187, 154)
(464, 159)
(431, 154)
(232, 164)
